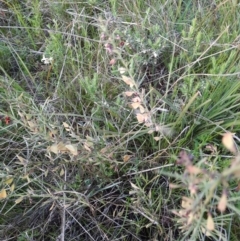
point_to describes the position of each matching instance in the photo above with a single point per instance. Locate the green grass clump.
(119, 120)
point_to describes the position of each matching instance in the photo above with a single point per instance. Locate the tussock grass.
(112, 119)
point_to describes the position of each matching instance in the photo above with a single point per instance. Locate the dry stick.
(48, 74)
(63, 208)
(148, 170)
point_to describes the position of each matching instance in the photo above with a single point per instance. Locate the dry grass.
(112, 115)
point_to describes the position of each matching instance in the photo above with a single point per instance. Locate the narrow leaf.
(128, 81)
(222, 205)
(228, 142)
(20, 199)
(73, 149)
(210, 223)
(3, 194)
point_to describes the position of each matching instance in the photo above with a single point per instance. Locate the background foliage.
(119, 120)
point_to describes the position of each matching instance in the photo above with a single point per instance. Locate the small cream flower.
(47, 60)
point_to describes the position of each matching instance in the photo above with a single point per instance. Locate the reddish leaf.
(7, 120)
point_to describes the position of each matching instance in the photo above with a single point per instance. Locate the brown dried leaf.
(158, 138)
(33, 126)
(52, 134)
(173, 185)
(62, 172)
(53, 148)
(134, 186)
(62, 147)
(104, 150)
(193, 170)
(87, 147)
(112, 61)
(144, 117)
(22, 117)
(128, 81)
(150, 131)
(206, 232)
(193, 188)
(26, 177)
(28, 117)
(90, 139)
(222, 205)
(12, 187)
(135, 105)
(66, 126)
(129, 93)
(58, 148)
(3, 194)
(210, 223)
(9, 181)
(53, 205)
(22, 161)
(136, 99)
(185, 158)
(186, 202)
(46, 173)
(20, 199)
(175, 212)
(228, 142)
(142, 109)
(73, 149)
(148, 124)
(191, 218)
(122, 70)
(212, 148)
(126, 158)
